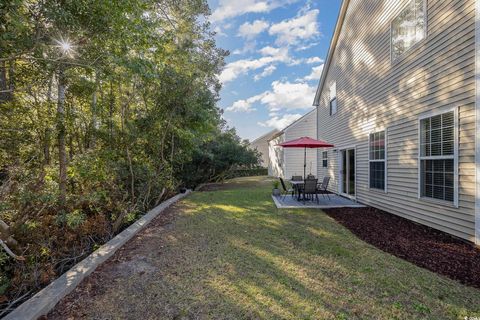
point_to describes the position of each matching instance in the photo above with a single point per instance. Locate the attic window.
(333, 98)
(408, 28)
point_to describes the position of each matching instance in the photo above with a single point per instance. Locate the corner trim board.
(477, 113)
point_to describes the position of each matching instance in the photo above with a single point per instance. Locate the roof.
(331, 50)
(279, 133)
(269, 134)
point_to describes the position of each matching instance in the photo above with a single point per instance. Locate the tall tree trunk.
(11, 78)
(61, 129)
(110, 113)
(4, 89)
(93, 124)
(48, 130)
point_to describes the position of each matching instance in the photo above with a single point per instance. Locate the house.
(261, 145)
(399, 98)
(286, 163)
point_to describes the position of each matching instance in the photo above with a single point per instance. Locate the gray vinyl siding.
(276, 165)
(373, 94)
(294, 158)
(261, 145)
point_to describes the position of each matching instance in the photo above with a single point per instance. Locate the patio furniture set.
(307, 189)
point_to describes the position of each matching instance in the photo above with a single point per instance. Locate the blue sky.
(277, 48)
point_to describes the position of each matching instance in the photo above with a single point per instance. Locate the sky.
(277, 51)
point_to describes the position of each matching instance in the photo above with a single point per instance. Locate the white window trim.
(403, 55)
(430, 114)
(323, 158)
(384, 160)
(334, 83)
(340, 179)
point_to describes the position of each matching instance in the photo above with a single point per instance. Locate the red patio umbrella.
(306, 142)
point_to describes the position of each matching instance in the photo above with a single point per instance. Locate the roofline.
(279, 133)
(299, 119)
(331, 50)
(272, 132)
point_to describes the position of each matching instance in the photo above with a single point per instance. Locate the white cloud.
(287, 95)
(283, 96)
(244, 105)
(313, 60)
(266, 72)
(295, 30)
(251, 30)
(270, 55)
(280, 122)
(316, 74)
(234, 8)
(247, 48)
(307, 46)
(219, 32)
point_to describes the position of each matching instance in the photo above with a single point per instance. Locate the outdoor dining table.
(296, 184)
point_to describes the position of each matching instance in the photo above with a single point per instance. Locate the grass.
(230, 254)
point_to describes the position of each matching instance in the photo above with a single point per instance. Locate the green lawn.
(230, 254)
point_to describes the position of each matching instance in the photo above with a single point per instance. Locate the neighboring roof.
(268, 135)
(292, 124)
(331, 50)
(300, 119)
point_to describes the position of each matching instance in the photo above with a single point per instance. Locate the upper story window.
(325, 159)
(333, 98)
(408, 28)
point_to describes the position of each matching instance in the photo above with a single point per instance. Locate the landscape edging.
(46, 299)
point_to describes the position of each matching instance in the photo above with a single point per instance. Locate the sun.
(66, 47)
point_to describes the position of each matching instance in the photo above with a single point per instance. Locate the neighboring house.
(276, 164)
(261, 145)
(288, 162)
(398, 99)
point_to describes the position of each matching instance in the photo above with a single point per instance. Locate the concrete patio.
(335, 201)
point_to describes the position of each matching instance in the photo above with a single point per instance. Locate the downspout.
(477, 113)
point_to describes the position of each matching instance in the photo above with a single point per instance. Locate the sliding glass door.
(347, 172)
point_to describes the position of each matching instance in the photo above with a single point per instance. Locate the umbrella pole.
(305, 163)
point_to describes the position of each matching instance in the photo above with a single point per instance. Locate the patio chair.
(310, 188)
(297, 178)
(322, 187)
(286, 190)
(311, 176)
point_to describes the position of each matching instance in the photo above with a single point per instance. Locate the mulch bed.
(426, 247)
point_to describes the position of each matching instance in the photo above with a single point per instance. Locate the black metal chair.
(296, 188)
(310, 189)
(311, 176)
(286, 190)
(322, 188)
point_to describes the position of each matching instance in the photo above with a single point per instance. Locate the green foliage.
(140, 121)
(276, 184)
(75, 219)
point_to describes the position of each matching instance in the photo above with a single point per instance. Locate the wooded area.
(106, 108)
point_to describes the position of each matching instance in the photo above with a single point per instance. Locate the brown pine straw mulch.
(426, 247)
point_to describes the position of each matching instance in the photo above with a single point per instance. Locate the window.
(325, 159)
(333, 98)
(437, 157)
(377, 160)
(408, 28)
